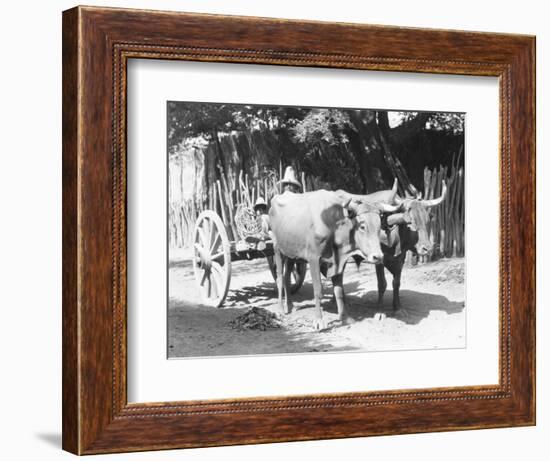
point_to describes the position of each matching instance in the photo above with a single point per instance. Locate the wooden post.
(280, 175)
(239, 188)
(230, 206)
(245, 193)
(215, 208)
(222, 205)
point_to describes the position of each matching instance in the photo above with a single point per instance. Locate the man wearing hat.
(289, 181)
(290, 184)
(260, 208)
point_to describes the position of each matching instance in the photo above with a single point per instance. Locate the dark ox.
(405, 231)
(317, 227)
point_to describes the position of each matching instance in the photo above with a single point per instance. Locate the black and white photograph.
(314, 229)
(274, 230)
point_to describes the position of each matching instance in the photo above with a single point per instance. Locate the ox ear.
(346, 200)
(353, 206)
(397, 218)
(404, 203)
(350, 205)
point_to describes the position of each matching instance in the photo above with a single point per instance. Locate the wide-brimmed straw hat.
(290, 177)
(260, 202)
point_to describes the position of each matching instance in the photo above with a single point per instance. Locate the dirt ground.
(432, 295)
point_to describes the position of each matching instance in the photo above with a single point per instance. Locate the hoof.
(347, 321)
(379, 316)
(320, 324)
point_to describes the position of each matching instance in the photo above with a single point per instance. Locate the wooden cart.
(214, 253)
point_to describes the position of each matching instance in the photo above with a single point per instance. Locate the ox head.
(366, 227)
(417, 216)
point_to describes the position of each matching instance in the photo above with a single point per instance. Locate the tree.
(359, 150)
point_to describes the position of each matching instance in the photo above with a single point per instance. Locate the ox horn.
(386, 208)
(403, 202)
(393, 191)
(346, 199)
(436, 201)
(346, 202)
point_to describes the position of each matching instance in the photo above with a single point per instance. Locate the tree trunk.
(393, 162)
(360, 149)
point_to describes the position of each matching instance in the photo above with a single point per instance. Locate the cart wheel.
(297, 273)
(212, 261)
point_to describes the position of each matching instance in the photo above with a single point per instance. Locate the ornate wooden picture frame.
(97, 44)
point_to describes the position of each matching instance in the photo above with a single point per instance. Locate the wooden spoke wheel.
(297, 273)
(212, 259)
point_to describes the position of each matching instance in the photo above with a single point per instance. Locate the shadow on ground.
(242, 268)
(199, 331)
(252, 294)
(416, 305)
(180, 264)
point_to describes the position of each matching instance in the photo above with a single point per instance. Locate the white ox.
(324, 227)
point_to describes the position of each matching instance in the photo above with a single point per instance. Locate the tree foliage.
(359, 150)
(322, 126)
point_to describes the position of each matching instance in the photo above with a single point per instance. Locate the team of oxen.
(328, 228)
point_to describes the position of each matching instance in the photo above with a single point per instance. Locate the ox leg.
(396, 267)
(286, 284)
(396, 285)
(338, 284)
(279, 267)
(382, 284)
(317, 292)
